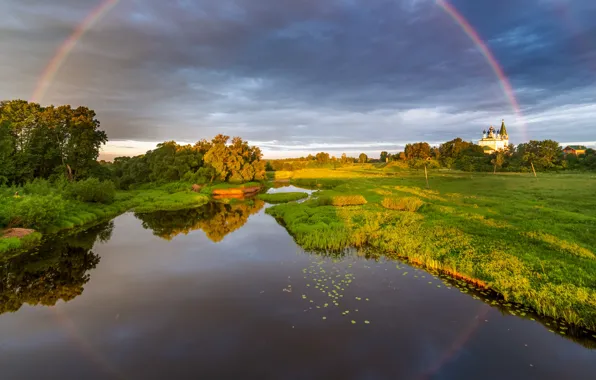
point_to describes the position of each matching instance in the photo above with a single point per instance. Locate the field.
(533, 240)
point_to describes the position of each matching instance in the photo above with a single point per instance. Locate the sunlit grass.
(342, 200)
(283, 197)
(411, 204)
(531, 240)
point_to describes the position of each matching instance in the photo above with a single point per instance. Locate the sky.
(303, 76)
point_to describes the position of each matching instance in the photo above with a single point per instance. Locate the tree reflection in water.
(57, 270)
(215, 219)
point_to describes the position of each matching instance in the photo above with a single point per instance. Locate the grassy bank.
(48, 209)
(282, 197)
(531, 240)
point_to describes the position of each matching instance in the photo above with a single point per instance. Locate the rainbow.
(488, 55)
(106, 6)
(49, 73)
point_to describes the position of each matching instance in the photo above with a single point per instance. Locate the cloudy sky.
(299, 76)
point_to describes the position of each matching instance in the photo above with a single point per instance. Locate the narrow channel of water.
(223, 291)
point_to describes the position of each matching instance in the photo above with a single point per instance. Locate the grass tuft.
(342, 200)
(411, 204)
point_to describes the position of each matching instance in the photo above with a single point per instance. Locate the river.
(224, 292)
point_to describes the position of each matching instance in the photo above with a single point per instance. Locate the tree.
(498, 160)
(384, 156)
(48, 140)
(7, 148)
(363, 158)
(237, 162)
(546, 154)
(419, 150)
(322, 157)
(453, 150)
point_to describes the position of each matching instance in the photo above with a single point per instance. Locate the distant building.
(494, 140)
(575, 149)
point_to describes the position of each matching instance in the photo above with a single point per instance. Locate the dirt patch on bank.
(16, 232)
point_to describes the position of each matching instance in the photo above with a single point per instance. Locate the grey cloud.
(306, 72)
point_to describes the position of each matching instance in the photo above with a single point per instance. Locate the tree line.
(63, 142)
(461, 155)
(221, 160)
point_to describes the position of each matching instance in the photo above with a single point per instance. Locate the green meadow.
(532, 240)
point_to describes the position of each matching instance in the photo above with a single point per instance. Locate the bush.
(38, 186)
(38, 211)
(92, 190)
(342, 200)
(411, 204)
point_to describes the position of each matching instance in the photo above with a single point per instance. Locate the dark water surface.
(224, 292)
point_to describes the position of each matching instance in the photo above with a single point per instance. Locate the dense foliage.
(203, 162)
(92, 190)
(41, 142)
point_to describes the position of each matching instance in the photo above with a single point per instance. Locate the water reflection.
(57, 270)
(216, 219)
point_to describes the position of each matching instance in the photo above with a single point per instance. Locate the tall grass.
(411, 204)
(342, 200)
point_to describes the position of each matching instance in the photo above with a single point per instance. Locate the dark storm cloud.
(305, 75)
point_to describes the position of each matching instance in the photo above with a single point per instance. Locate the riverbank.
(74, 214)
(531, 240)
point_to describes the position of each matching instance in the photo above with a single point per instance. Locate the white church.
(494, 140)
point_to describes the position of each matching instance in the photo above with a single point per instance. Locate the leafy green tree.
(453, 150)
(363, 158)
(546, 154)
(42, 141)
(419, 150)
(384, 156)
(7, 148)
(237, 163)
(498, 160)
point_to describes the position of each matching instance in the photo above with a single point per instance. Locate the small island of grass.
(283, 197)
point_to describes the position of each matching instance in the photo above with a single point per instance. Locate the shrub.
(92, 190)
(39, 211)
(38, 186)
(342, 200)
(411, 204)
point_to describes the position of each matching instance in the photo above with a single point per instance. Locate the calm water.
(224, 292)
